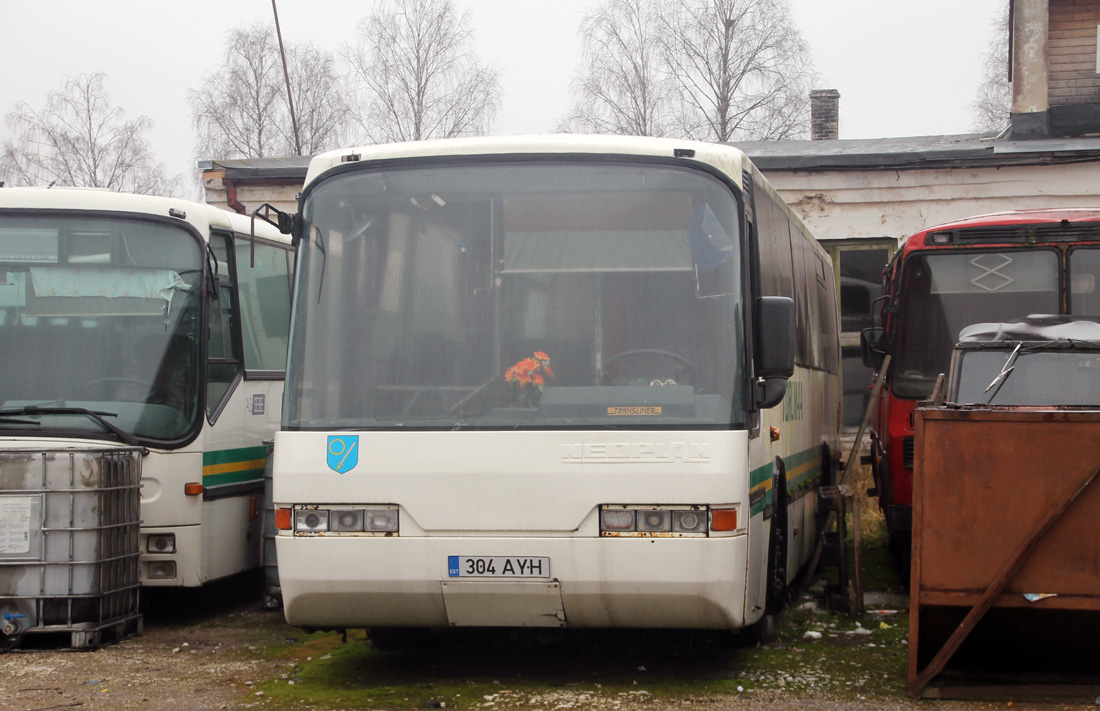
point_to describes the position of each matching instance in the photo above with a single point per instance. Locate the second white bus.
(157, 323)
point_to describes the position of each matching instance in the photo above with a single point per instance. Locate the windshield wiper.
(324, 261)
(12, 421)
(96, 415)
(1005, 370)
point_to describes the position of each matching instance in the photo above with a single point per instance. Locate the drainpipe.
(231, 196)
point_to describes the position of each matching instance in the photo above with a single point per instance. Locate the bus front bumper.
(341, 582)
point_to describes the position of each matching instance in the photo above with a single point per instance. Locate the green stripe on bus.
(795, 465)
(760, 475)
(228, 456)
(233, 477)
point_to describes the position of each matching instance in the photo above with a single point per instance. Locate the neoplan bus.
(989, 268)
(150, 322)
(536, 382)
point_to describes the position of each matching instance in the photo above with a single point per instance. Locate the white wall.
(897, 203)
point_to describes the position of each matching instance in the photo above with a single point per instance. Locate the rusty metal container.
(1006, 539)
(1006, 515)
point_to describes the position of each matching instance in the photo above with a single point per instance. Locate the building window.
(857, 267)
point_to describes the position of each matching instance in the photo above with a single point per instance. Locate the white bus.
(150, 322)
(536, 382)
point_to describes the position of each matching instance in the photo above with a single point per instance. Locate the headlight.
(642, 521)
(655, 520)
(381, 520)
(162, 570)
(309, 520)
(346, 520)
(161, 543)
(617, 520)
(689, 521)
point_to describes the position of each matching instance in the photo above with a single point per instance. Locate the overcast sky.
(902, 68)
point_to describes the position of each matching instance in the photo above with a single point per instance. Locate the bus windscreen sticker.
(633, 411)
(343, 452)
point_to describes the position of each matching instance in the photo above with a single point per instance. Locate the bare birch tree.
(741, 69)
(713, 70)
(992, 107)
(622, 88)
(79, 139)
(242, 111)
(318, 100)
(416, 75)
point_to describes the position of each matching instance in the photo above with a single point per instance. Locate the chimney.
(824, 114)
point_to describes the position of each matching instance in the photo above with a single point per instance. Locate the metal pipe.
(286, 76)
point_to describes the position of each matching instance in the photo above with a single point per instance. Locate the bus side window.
(223, 365)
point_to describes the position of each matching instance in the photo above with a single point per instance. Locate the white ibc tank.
(69, 521)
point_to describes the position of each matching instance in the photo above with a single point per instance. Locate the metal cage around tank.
(69, 523)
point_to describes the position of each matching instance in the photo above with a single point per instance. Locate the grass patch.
(816, 654)
(845, 657)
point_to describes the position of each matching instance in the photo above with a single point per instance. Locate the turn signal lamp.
(723, 520)
(192, 489)
(283, 519)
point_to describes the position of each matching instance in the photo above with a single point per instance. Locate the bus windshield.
(99, 327)
(1056, 374)
(945, 292)
(518, 293)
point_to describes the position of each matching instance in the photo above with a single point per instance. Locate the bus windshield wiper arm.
(13, 421)
(96, 415)
(1005, 370)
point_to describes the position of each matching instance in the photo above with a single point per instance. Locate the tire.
(397, 639)
(10, 642)
(763, 631)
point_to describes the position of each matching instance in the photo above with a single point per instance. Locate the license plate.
(467, 566)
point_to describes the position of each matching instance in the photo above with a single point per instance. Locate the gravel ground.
(218, 650)
(227, 659)
(188, 663)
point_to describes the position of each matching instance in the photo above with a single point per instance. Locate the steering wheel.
(156, 392)
(687, 368)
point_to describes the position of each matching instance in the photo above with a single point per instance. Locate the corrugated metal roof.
(963, 150)
(863, 153)
(284, 168)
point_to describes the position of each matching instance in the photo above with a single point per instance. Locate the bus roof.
(1034, 328)
(725, 158)
(199, 215)
(979, 226)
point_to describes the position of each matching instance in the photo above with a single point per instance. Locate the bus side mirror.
(774, 358)
(871, 348)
